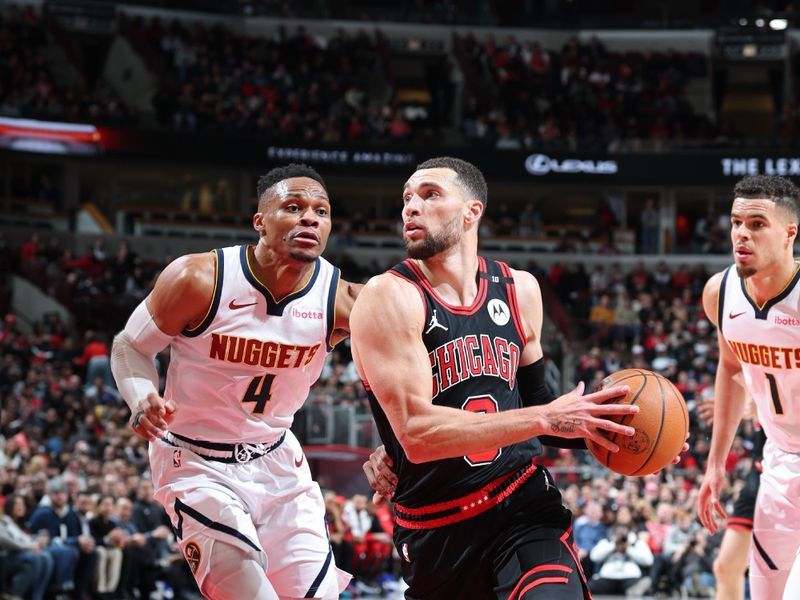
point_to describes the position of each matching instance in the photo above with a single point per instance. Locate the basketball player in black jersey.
(447, 344)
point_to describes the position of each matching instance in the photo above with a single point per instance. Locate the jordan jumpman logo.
(434, 323)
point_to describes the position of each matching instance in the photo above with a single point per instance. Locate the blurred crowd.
(31, 83)
(77, 502)
(582, 97)
(341, 87)
(298, 85)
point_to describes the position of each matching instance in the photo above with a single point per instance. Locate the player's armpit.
(346, 296)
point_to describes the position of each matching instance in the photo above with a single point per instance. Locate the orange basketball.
(661, 424)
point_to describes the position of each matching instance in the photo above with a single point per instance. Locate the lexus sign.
(541, 164)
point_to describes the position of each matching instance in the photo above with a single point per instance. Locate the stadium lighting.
(778, 24)
(759, 22)
(743, 22)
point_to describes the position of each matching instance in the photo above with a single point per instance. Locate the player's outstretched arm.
(346, 295)
(181, 298)
(730, 399)
(532, 387)
(386, 327)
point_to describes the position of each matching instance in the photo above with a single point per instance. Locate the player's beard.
(306, 258)
(745, 272)
(434, 243)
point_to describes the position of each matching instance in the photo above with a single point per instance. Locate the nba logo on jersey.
(176, 458)
(406, 557)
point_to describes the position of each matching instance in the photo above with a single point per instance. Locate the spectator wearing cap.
(76, 561)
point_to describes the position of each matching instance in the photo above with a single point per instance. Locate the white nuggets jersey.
(241, 374)
(766, 340)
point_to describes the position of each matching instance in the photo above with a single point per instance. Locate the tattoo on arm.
(564, 426)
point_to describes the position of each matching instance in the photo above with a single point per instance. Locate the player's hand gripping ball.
(661, 424)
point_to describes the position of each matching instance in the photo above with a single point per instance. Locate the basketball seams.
(665, 424)
(660, 428)
(635, 397)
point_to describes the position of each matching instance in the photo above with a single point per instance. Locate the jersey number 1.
(773, 390)
(259, 391)
(481, 404)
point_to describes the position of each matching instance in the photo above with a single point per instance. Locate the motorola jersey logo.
(541, 164)
(498, 311)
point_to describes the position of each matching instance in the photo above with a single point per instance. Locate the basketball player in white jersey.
(249, 328)
(756, 306)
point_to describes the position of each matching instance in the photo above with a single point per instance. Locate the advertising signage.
(393, 159)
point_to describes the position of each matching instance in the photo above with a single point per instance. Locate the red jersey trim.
(541, 580)
(468, 506)
(552, 567)
(511, 291)
(480, 297)
(573, 551)
(740, 523)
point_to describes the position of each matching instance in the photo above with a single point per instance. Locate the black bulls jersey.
(474, 354)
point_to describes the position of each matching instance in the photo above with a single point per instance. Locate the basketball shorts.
(776, 526)
(268, 507)
(522, 548)
(745, 505)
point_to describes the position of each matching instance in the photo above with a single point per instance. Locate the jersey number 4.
(259, 391)
(481, 404)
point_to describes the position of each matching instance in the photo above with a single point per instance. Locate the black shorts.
(520, 549)
(745, 505)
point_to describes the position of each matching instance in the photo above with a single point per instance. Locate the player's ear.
(791, 232)
(474, 211)
(258, 222)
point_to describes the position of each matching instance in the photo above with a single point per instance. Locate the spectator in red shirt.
(95, 359)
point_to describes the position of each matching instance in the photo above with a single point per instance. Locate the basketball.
(661, 424)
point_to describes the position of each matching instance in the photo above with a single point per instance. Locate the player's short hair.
(780, 190)
(265, 182)
(469, 176)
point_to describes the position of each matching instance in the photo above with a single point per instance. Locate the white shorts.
(776, 523)
(269, 507)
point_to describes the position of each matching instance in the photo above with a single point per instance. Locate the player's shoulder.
(526, 283)
(711, 292)
(714, 284)
(387, 284)
(191, 271)
(391, 295)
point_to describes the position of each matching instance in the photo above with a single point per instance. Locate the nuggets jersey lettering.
(243, 372)
(766, 341)
(474, 354)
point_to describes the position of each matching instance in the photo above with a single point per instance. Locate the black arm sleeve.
(534, 392)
